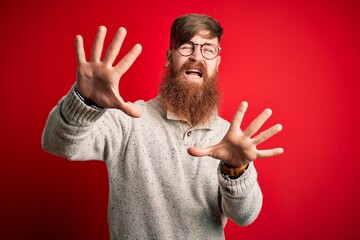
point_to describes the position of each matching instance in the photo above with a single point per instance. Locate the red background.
(299, 58)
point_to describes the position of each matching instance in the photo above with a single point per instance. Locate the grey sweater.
(156, 189)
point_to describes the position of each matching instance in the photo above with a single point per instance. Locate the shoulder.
(150, 109)
(220, 124)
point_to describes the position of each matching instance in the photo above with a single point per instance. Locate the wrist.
(87, 101)
(232, 172)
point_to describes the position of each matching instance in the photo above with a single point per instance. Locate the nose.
(197, 55)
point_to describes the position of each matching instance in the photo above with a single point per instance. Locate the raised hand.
(99, 80)
(238, 148)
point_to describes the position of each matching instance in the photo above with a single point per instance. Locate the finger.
(199, 152)
(98, 44)
(256, 124)
(270, 152)
(115, 46)
(239, 115)
(129, 108)
(263, 136)
(80, 52)
(128, 60)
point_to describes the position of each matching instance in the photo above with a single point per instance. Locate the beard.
(195, 102)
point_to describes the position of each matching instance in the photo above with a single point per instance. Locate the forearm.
(241, 197)
(71, 130)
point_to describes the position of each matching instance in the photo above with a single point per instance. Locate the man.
(176, 169)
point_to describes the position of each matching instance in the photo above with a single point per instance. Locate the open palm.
(99, 80)
(238, 148)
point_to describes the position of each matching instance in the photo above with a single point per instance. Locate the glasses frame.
(201, 46)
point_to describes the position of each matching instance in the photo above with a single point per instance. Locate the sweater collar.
(211, 124)
(208, 125)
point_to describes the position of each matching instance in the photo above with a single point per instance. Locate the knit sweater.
(156, 189)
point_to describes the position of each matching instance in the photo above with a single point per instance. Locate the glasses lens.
(186, 49)
(209, 51)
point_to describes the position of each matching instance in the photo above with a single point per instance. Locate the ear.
(168, 57)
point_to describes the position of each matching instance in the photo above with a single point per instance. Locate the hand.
(237, 148)
(99, 80)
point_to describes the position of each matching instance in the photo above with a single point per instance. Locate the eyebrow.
(202, 43)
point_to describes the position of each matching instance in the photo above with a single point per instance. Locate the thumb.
(198, 152)
(129, 108)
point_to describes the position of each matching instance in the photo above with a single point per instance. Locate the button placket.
(189, 137)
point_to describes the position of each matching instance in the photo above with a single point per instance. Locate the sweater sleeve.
(242, 197)
(77, 131)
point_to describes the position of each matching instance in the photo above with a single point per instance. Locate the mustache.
(193, 65)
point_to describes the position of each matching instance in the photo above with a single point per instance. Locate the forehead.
(203, 37)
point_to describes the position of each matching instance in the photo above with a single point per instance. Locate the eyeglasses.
(208, 50)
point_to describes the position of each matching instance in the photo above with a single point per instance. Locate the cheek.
(177, 66)
(178, 61)
(211, 68)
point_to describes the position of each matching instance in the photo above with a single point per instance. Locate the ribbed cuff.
(76, 112)
(239, 186)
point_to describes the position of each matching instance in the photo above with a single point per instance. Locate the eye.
(209, 49)
(186, 46)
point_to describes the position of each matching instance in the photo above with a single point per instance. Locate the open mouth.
(193, 73)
